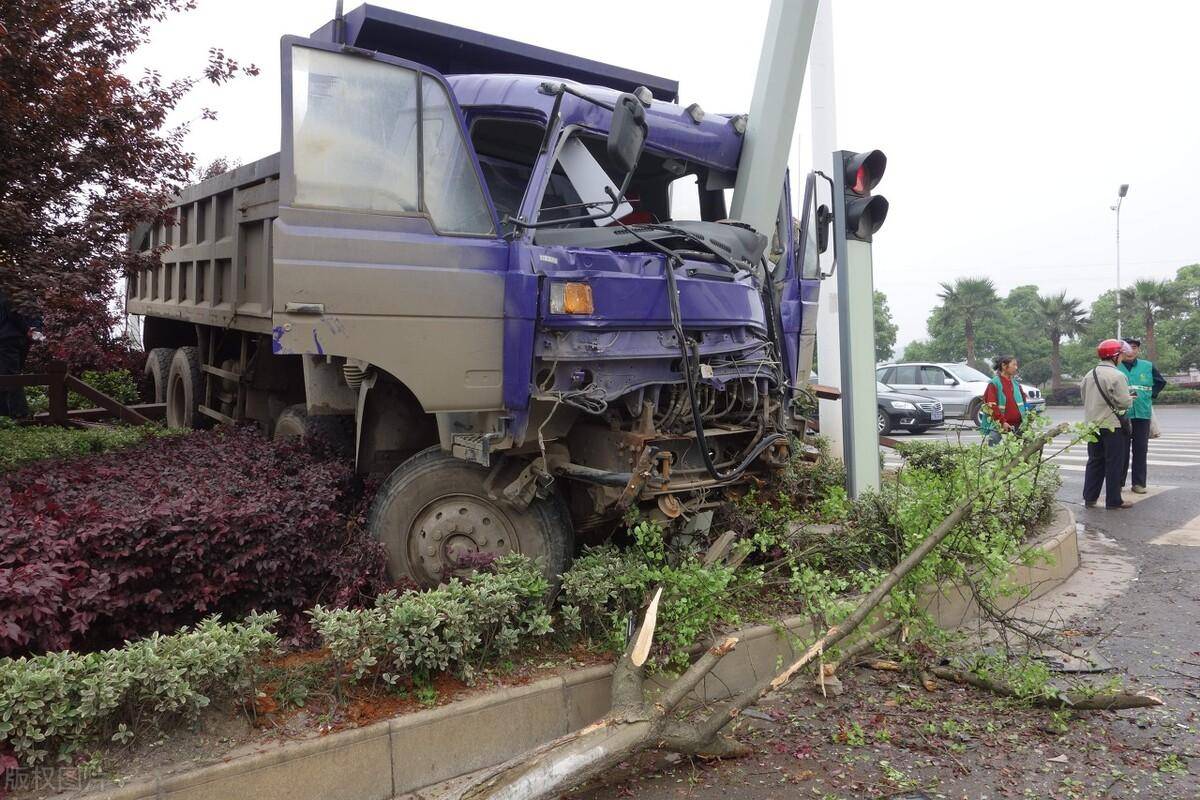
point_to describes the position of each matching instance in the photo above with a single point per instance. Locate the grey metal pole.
(856, 314)
(1118, 269)
(824, 135)
(773, 107)
(1121, 192)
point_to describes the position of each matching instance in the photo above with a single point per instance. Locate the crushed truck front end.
(596, 390)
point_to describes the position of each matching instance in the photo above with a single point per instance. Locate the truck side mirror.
(824, 218)
(627, 134)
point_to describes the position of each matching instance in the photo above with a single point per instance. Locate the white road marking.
(1187, 536)
(1151, 490)
(1151, 461)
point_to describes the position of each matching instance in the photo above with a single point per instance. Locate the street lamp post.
(1121, 192)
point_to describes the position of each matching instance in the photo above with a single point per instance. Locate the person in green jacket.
(1147, 382)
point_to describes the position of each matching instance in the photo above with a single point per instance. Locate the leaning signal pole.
(824, 142)
(759, 186)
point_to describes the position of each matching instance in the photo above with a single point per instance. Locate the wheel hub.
(457, 534)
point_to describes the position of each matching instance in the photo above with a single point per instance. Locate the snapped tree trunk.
(1055, 363)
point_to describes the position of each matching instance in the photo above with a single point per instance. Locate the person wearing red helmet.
(1106, 399)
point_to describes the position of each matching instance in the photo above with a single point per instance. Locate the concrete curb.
(403, 754)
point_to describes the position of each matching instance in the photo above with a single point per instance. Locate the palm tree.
(1151, 299)
(967, 301)
(1060, 317)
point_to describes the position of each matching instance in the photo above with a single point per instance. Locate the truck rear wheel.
(333, 431)
(184, 388)
(437, 521)
(157, 371)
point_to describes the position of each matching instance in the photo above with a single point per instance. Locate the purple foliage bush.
(119, 545)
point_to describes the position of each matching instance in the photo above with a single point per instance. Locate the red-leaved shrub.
(119, 545)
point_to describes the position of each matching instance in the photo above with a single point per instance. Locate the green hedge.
(21, 444)
(58, 703)
(1172, 395)
(457, 626)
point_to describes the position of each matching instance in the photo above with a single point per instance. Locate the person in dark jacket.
(1145, 379)
(16, 332)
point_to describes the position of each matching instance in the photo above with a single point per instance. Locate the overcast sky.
(1007, 127)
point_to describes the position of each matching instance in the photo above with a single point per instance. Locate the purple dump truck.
(500, 275)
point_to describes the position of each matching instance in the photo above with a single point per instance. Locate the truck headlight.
(571, 298)
(903, 404)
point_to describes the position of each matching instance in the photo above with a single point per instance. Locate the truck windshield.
(662, 186)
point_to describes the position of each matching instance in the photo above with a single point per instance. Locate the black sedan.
(910, 412)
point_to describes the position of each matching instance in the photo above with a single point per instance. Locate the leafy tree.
(85, 155)
(1181, 332)
(965, 304)
(1060, 316)
(1021, 334)
(1149, 300)
(885, 329)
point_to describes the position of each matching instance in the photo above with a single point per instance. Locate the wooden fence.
(60, 381)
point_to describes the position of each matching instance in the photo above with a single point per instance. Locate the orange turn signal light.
(571, 298)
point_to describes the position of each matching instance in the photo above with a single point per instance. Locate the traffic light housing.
(865, 212)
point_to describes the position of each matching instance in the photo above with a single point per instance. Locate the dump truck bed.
(215, 265)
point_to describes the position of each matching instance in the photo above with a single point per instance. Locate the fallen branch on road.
(1076, 701)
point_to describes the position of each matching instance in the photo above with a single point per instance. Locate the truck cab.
(505, 277)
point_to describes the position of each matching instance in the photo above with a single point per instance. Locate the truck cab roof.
(488, 71)
(671, 129)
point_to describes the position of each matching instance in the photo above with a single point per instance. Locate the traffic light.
(860, 174)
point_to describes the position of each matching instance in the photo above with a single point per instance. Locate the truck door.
(386, 248)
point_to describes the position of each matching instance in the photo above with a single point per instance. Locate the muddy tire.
(157, 372)
(333, 433)
(435, 518)
(291, 422)
(185, 388)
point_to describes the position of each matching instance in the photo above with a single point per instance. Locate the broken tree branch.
(868, 604)
(634, 724)
(867, 643)
(1073, 700)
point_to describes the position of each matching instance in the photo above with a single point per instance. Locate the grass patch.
(24, 444)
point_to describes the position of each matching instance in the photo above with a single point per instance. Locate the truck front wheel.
(437, 521)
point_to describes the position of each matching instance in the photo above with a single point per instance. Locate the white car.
(959, 387)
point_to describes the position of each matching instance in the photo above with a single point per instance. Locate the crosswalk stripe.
(1169, 452)
(1151, 461)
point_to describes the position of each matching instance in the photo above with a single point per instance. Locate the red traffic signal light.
(865, 212)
